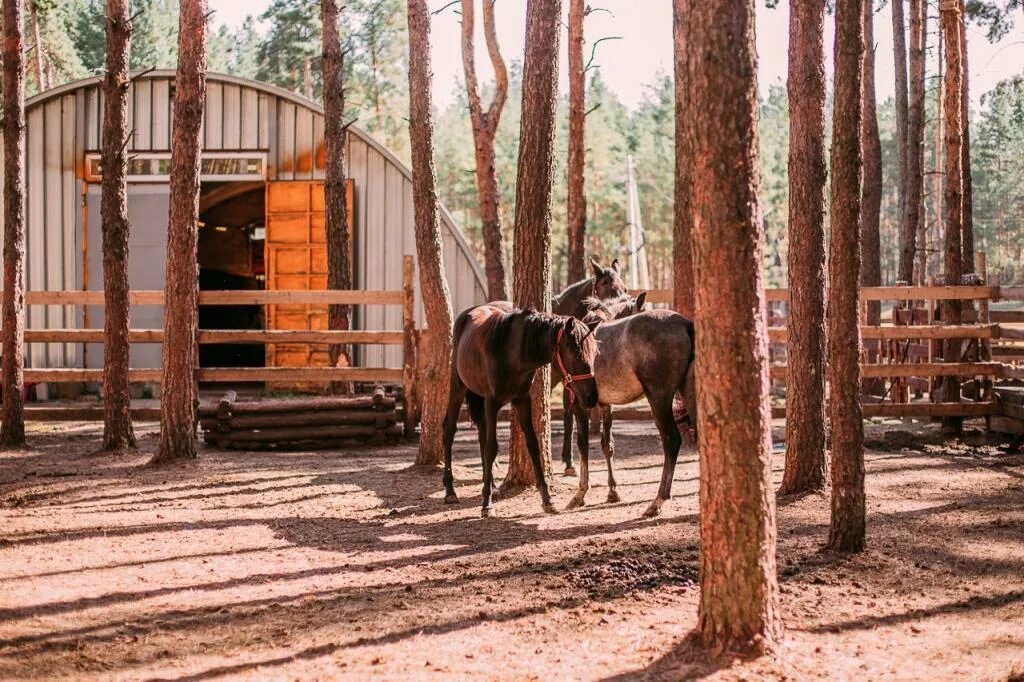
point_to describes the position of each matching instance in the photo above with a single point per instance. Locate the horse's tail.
(685, 409)
(476, 407)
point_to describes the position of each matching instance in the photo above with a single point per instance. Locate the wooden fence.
(990, 355)
(404, 377)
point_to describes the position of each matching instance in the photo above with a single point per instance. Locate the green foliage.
(292, 40)
(998, 174)
(997, 16)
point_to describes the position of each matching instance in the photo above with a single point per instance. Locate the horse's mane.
(535, 329)
(602, 310)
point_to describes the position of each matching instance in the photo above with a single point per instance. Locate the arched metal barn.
(261, 213)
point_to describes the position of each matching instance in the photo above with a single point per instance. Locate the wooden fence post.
(409, 364)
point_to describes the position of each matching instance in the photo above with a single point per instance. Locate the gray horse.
(640, 353)
(603, 284)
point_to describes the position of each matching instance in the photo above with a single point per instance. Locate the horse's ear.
(596, 267)
(615, 265)
(640, 301)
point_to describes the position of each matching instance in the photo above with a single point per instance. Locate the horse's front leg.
(608, 446)
(661, 408)
(524, 413)
(583, 442)
(456, 395)
(567, 419)
(489, 453)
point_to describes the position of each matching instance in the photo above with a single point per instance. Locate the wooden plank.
(922, 369)
(85, 414)
(1011, 293)
(317, 374)
(883, 293)
(1007, 316)
(1001, 424)
(291, 405)
(156, 297)
(378, 418)
(228, 374)
(220, 336)
(1010, 333)
(901, 332)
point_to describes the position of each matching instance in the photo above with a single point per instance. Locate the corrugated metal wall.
(64, 125)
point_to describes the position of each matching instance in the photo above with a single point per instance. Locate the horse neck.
(539, 340)
(569, 300)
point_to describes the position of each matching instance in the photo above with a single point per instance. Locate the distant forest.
(287, 53)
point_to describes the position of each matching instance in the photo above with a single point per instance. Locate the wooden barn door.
(296, 258)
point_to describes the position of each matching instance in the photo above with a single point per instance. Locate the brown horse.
(649, 353)
(603, 284)
(497, 351)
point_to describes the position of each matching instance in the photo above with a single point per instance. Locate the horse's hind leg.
(524, 413)
(456, 395)
(489, 453)
(583, 441)
(661, 408)
(608, 446)
(567, 419)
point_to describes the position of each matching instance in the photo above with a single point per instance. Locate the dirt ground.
(347, 564)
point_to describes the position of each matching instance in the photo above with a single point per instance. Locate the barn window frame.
(154, 167)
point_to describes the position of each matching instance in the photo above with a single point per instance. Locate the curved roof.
(298, 100)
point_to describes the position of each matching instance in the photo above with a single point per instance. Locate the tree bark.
(577, 200)
(12, 431)
(117, 418)
(339, 260)
(485, 127)
(682, 256)
(805, 453)
(912, 218)
(806, 467)
(738, 610)
(434, 369)
(967, 214)
(951, 18)
(531, 272)
(846, 533)
(871, 195)
(899, 48)
(179, 394)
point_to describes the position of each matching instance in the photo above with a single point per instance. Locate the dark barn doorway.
(231, 238)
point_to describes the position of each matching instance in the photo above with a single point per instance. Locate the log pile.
(301, 424)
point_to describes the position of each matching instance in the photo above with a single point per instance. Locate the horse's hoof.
(495, 494)
(613, 496)
(653, 510)
(451, 499)
(549, 508)
(570, 471)
(486, 512)
(576, 502)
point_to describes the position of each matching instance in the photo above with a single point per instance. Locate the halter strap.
(568, 378)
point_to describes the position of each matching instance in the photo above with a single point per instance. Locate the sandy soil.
(348, 565)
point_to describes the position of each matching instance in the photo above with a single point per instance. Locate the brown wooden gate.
(296, 259)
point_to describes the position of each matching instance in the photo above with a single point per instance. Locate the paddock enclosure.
(261, 230)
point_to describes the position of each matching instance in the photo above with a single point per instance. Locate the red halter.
(568, 379)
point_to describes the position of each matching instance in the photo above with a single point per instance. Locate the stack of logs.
(301, 423)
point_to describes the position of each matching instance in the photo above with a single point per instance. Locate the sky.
(630, 64)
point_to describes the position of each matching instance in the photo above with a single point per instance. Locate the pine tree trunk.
(485, 127)
(871, 196)
(434, 368)
(12, 431)
(339, 260)
(179, 394)
(847, 528)
(117, 417)
(899, 48)
(39, 71)
(682, 256)
(806, 468)
(934, 229)
(577, 200)
(738, 609)
(912, 218)
(951, 18)
(967, 214)
(531, 272)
